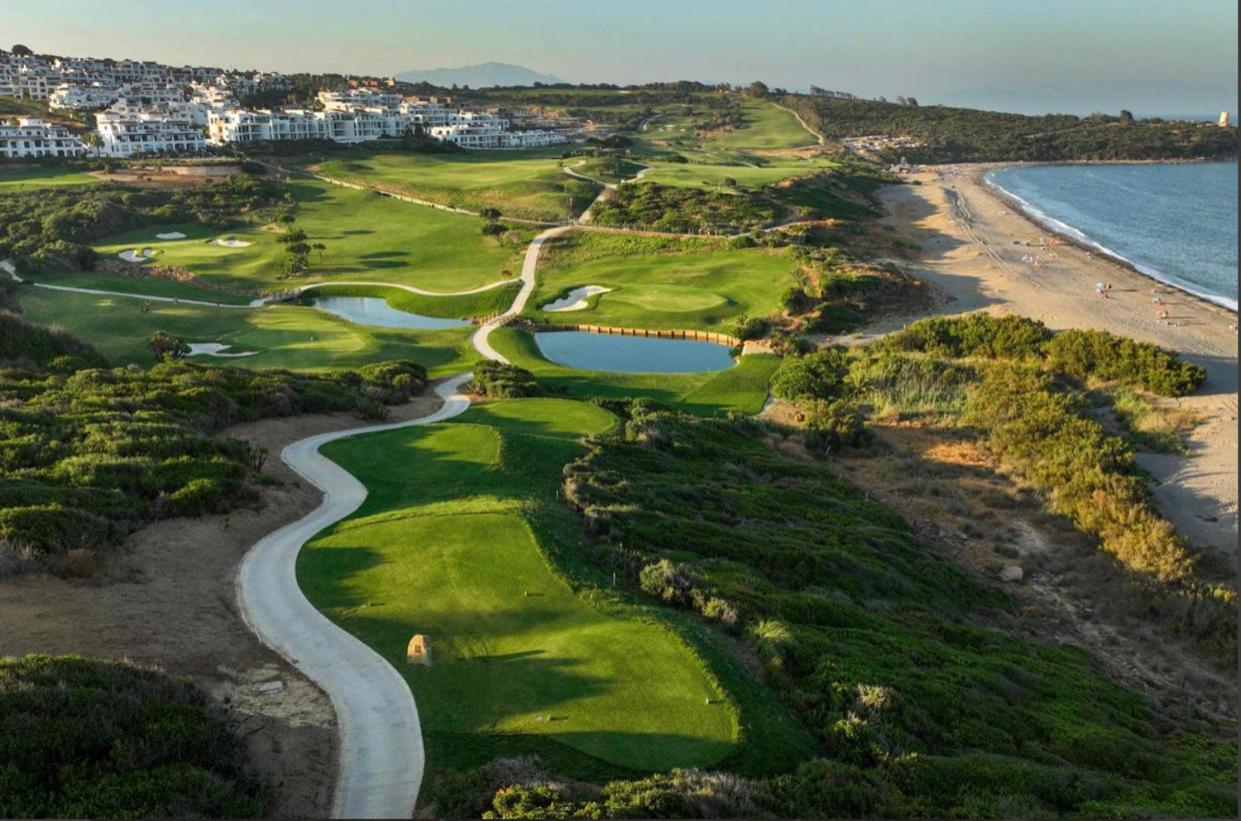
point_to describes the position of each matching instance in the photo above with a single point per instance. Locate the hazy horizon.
(1152, 58)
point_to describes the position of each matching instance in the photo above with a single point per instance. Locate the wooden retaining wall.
(696, 336)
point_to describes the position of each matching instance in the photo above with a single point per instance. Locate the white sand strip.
(171, 235)
(215, 349)
(231, 243)
(575, 300)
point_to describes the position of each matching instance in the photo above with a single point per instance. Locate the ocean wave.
(1059, 226)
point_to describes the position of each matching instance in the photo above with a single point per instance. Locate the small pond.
(632, 354)
(372, 310)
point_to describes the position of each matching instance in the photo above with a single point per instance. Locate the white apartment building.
(128, 132)
(28, 137)
(475, 129)
(27, 77)
(82, 97)
(355, 98)
(237, 125)
(150, 93)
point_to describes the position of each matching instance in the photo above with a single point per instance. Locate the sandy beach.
(969, 243)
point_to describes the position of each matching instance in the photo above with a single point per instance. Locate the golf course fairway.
(457, 540)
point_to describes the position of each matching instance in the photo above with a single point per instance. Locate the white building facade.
(30, 137)
(129, 132)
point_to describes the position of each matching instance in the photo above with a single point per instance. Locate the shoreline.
(966, 241)
(1085, 242)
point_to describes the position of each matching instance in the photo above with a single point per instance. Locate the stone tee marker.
(419, 650)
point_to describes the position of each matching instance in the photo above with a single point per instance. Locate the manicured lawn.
(21, 179)
(454, 542)
(368, 237)
(284, 336)
(527, 184)
(741, 389)
(661, 283)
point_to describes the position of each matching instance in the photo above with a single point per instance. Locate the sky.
(1168, 57)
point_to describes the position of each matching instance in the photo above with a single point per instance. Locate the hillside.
(948, 134)
(479, 75)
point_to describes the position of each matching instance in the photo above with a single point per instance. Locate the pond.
(372, 310)
(632, 354)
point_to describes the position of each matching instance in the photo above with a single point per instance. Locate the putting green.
(453, 542)
(367, 237)
(675, 299)
(660, 282)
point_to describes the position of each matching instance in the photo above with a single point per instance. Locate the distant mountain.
(481, 75)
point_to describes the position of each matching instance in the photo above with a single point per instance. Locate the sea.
(1174, 222)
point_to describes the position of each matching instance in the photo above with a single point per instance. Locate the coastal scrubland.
(92, 453)
(90, 739)
(947, 134)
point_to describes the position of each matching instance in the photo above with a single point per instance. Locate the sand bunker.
(231, 243)
(130, 255)
(171, 235)
(575, 300)
(215, 349)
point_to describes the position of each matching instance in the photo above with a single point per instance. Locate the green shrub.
(979, 334)
(91, 739)
(24, 343)
(1088, 473)
(1110, 357)
(499, 380)
(817, 375)
(834, 423)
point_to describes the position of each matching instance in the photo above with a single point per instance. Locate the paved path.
(381, 752)
(528, 268)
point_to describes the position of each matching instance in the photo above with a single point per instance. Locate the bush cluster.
(683, 210)
(1082, 354)
(499, 380)
(83, 739)
(1089, 476)
(1113, 358)
(979, 334)
(88, 455)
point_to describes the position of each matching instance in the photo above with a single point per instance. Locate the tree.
(21, 51)
(320, 247)
(166, 346)
(494, 229)
(758, 89)
(1126, 116)
(490, 213)
(729, 182)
